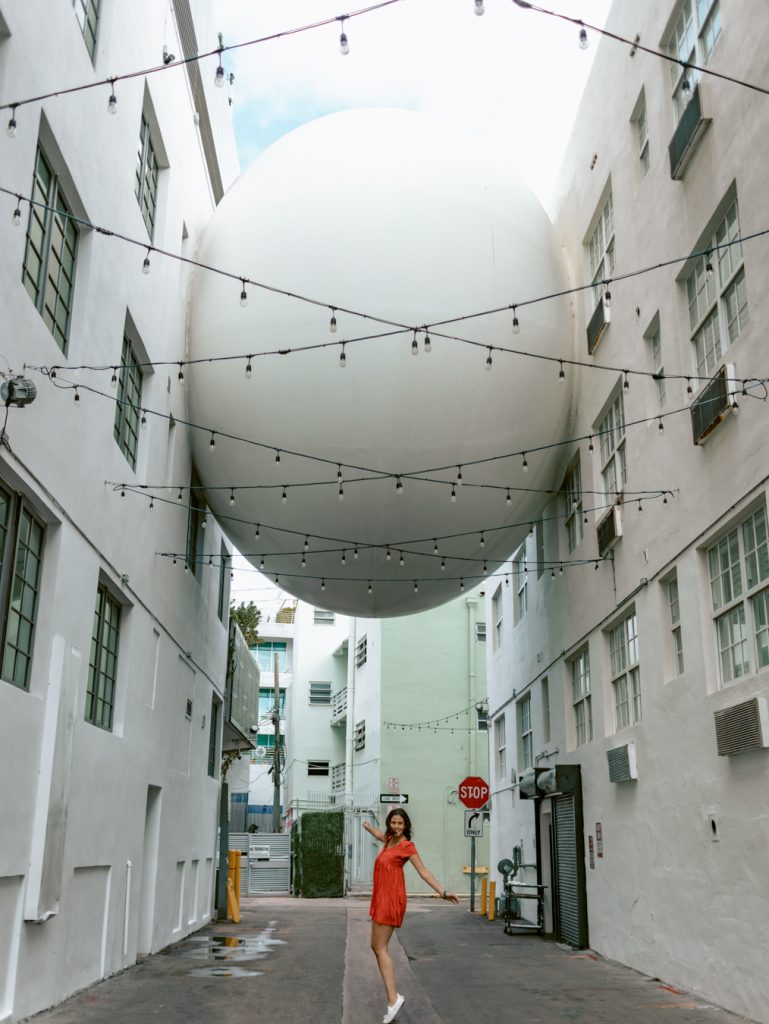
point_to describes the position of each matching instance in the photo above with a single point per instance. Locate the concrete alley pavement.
(309, 962)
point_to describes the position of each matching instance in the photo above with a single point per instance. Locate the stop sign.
(473, 791)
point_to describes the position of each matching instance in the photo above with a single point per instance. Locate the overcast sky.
(511, 75)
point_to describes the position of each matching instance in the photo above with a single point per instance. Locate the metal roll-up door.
(567, 870)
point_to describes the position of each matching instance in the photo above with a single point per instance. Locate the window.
(51, 252)
(196, 524)
(691, 40)
(545, 695)
(320, 693)
(359, 736)
(224, 576)
(654, 342)
(361, 652)
(496, 614)
(22, 536)
(642, 132)
(102, 668)
(213, 731)
(716, 293)
(267, 702)
(738, 566)
(338, 776)
(266, 755)
(128, 405)
(146, 183)
(322, 617)
(265, 652)
(87, 13)
(499, 743)
(601, 248)
(572, 492)
(482, 721)
(525, 735)
(611, 432)
(581, 699)
(671, 586)
(521, 577)
(318, 768)
(480, 632)
(539, 538)
(626, 677)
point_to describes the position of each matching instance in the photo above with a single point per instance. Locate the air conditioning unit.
(623, 766)
(742, 727)
(609, 529)
(693, 124)
(713, 403)
(598, 323)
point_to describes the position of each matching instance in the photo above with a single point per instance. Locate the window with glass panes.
(213, 731)
(525, 734)
(22, 536)
(521, 581)
(146, 183)
(654, 340)
(572, 492)
(601, 248)
(196, 524)
(671, 586)
(694, 33)
(102, 667)
(626, 674)
(581, 698)
(738, 566)
(499, 744)
(224, 576)
(611, 435)
(50, 253)
(87, 12)
(267, 702)
(128, 404)
(320, 692)
(642, 133)
(265, 652)
(716, 293)
(496, 614)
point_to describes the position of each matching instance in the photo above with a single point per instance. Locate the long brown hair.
(406, 822)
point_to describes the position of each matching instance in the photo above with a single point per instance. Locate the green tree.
(247, 617)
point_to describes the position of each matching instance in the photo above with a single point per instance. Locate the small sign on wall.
(599, 838)
(393, 784)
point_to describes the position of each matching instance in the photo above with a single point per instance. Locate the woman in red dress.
(388, 899)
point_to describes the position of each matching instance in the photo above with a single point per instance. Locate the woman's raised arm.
(375, 832)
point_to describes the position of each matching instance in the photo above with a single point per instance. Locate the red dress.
(388, 900)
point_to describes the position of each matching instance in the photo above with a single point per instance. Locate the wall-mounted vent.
(599, 321)
(691, 127)
(188, 711)
(623, 766)
(361, 652)
(609, 529)
(742, 727)
(713, 403)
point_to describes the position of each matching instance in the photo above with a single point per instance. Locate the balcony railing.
(690, 129)
(339, 706)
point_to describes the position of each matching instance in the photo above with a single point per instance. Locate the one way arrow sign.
(473, 824)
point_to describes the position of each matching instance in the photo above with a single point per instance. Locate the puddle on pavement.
(229, 948)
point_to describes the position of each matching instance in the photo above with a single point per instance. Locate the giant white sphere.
(385, 213)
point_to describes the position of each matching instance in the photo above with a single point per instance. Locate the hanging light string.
(395, 549)
(379, 474)
(217, 52)
(635, 44)
(398, 328)
(415, 475)
(435, 722)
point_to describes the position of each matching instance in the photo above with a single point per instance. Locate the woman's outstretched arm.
(426, 876)
(375, 832)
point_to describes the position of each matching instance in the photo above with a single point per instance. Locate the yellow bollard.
(484, 895)
(233, 880)
(492, 900)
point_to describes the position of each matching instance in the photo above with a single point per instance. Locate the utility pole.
(276, 753)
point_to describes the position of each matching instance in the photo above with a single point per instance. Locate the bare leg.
(380, 939)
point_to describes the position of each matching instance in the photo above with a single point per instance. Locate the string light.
(10, 131)
(626, 382)
(307, 543)
(461, 584)
(219, 75)
(112, 101)
(590, 444)
(427, 345)
(77, 394)
(483, 540)
(489, 361)
(342, 357)
(708, 265)
(256, 532)
(243, 293)
(416, 587)
(212, 442)
(443, 565)
(508, 499)
(232, 497)
(284, 495)
(143, 422)
(435, 547)
(344, 46)
(525, 464)
(343, 559)
(660, 425)
(340, 493)
(332, 321)
(583, 40)
(370, 588)
(398, 485)
(204, 522)
(304, 561)
(146, 264)
(401, 560)
(607, 296)
(249, 369)
(179, 496)
(388, 556)
(16, 218)
(113, 378)
(479, 8)
(415, 345)
(516, 325)
(453, 492)
(277, 455)
(355, 552)
(561, 374)
(180, 374)
(459, 476)
(322, 584)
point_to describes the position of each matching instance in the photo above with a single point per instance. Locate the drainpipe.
(472, 603)
(349, 778)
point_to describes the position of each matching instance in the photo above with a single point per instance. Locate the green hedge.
(319, 861)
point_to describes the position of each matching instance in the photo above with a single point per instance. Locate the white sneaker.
(392, 1011)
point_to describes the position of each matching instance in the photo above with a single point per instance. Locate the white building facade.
(647, 668)
(113, 659)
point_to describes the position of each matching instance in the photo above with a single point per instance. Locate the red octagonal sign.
(473, 791)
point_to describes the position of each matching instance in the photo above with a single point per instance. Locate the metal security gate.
(265, 863)
(571, 899)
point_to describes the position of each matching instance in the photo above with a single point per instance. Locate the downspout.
(349, 780)
(472, 603)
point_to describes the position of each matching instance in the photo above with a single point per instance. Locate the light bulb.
(143, 419)
(332, 322)
(112, 104)
(212, 442)
(626, 383)
(232, 497)
(561, 374)
(398, 485)
(461, 584)
(479, 8)
(583, 40)
(146, 264)
(508, 499)
(340, 493)
(342, 357)
(11, 129)
(483, 541)
(516, 325)
(179, 495)
(453, 493)
(401, 560)
(388, 556)
(416, 587)
(180, 374)
(113, 379)
(248, 369)
(16, 216)
(443, 565)
(660, 426)
(243, 295)
(459, 476)
(322, 584)
(355, 552)
(525, 464)
(306, 543)
(427, 344)
(304, 561)
(256, 532)
(607, 298)
(77, 395)
(590, 444)
(277, 454)
(261, 563)
(435, 547)
(344, 558)
(709, 267)
(339, 472)
(488, 360)
(414, 345)
(284, 496)
(344, 46)
(219, 77)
